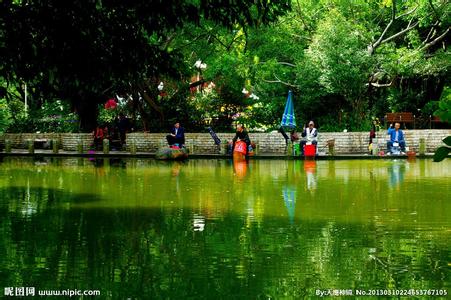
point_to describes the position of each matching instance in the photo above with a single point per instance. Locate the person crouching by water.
(242, 135)
(177, 136)
(309, 135)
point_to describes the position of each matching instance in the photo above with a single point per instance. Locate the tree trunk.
(87, 112)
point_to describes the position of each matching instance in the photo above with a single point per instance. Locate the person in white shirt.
(309, 135)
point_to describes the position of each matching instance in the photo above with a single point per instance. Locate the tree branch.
(433, 10)
(211, 35)
(281, 63)
(407, 13)
(375, 84)
(286, 64)
(203, 35)
(168, 41)
(235, 38)
(431, 33)
(150, 101)
(373, 46)
(409, 27)
(196, 83)
(107, 89)
(282, 82)
(432, 43)
(301, 17)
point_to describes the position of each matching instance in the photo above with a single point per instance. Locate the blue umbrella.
(289, 197)
(288, 119)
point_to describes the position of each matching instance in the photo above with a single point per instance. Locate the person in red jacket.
(98, 136)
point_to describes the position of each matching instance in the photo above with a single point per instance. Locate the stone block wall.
(202, 143)
(433, 138)
(274, 143)
(69, 141)
(19, 140)
(268, 143)
(357, 142)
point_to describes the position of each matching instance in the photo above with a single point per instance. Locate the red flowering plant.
(107, 112)
(110, 104)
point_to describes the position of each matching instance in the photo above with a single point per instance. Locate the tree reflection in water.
(130, 234)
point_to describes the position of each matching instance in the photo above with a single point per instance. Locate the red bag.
(240, 147)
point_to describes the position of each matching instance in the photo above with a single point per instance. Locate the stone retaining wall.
(345, 142)
(19, 140)
(202, 143)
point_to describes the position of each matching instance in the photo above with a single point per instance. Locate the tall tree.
(357, 58)
(84, 51)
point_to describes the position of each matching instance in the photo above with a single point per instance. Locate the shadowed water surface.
(216, 229)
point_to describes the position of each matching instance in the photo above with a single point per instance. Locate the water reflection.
(240, 165)
(310, 171)
(289, 198)
(171, 230)
(198, 222)
(396, 171)
(176, 167)
(29, 207)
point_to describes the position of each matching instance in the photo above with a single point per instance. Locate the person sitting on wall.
(396, 138)
(294, 136)
(242, 135)
(177, 136)
(98, 135)
(372, 135)
(309, 135)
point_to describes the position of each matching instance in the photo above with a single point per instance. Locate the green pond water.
(216, 229)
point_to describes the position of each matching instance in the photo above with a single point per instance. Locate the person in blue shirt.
(396, 136)
(177, 135)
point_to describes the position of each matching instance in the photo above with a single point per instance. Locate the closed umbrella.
(288, 119)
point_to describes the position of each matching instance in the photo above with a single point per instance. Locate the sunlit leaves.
(338, 50)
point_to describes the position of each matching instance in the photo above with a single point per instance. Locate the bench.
(402, 117)
(41, 144)
(116, 144)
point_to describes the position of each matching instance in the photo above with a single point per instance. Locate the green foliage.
(106, 116)
(444, 105)
(5, 116)
(333, 68)
(205, 105)
(444, 112)
(340, 58)
(447, 141)
(53, 116)
(338, 50)
(441, 153)
(430, 108)
(17, 109)
(76, 51)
